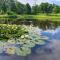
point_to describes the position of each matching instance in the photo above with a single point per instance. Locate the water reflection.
(48, 51)
(52, 34)
(44, 24)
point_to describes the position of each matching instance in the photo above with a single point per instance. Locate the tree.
(21, 8)
(7, 5)
(28, 9)
(56, 9)
(13, 5)
(46, 8)
(4, 8)
(35, 9)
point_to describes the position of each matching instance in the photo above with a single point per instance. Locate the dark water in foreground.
(55, 55)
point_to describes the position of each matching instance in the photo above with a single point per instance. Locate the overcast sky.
(31, 2)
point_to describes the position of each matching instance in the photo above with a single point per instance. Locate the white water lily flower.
(10, 50)
(22, 37)
(11, 41)
(26, 35)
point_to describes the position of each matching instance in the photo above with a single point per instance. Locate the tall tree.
(35, 9)
(13, 5)
(21, 8)
(56, 9)
(28, 9)
(7, 5)
(46, 7)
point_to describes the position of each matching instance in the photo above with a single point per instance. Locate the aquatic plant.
(20, 39)
(10, 50)
(1, 47)
(11, 31)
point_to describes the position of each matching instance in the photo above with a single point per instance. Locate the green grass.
(52, 17)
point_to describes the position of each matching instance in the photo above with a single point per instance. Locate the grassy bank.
(51, 17)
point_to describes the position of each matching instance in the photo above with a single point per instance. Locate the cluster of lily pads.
(11, 31)
(23, 44)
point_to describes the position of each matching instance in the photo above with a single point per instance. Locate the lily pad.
(10, 50)
(23, 51)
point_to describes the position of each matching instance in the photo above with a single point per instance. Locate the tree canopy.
(14, 6)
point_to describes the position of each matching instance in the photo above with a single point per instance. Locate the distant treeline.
(15, 7)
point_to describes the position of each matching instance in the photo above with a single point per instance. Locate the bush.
(12, 16)
(10, 13)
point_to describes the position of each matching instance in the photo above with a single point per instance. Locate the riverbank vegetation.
(41, 17)
(13, 9)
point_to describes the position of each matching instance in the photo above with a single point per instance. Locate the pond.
(50, 50)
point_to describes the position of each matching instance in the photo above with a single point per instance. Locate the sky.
(32, 2)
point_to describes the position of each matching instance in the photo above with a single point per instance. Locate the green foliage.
(10, 13)
(46, 8)
(56, 9)
(35, 9)
(28, 9)
(12, 16)
(9, 6)
(17, 36)
(10, 31)
(20, 8)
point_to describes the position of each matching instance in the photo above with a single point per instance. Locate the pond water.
(49, 51)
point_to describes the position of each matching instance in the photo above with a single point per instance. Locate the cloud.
(32, 2)
(40, 1)
(54, 1)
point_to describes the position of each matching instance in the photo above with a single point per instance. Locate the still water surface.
(50, 51)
